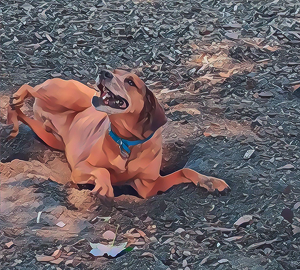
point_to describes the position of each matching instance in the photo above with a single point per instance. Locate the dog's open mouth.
(108, 98)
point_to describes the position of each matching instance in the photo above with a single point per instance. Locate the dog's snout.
(105, 74)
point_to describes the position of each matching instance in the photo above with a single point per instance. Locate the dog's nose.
(95, 101)
(105, 74)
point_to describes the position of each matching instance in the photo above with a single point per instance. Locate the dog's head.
(122, 92)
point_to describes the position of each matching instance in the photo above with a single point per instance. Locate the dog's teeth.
(106, 96)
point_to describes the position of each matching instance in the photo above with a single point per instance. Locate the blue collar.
(124, 144)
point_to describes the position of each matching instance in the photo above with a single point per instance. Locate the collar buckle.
(124, 144)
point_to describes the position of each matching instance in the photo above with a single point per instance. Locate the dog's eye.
(131, 83)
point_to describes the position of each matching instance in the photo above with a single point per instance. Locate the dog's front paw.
(103, 189)
(217, 185)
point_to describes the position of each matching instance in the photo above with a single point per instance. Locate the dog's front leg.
(100, 177)
(147, 187)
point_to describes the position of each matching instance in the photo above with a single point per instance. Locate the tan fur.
(66, 120)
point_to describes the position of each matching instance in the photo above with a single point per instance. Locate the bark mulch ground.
(227, 73)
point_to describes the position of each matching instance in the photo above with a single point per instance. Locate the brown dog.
(111, 136)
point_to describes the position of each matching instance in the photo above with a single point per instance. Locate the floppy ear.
(155, 112)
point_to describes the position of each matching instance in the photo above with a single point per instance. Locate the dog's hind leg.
(12, 118)
(39, 129)
(148, 188)
(16, 101)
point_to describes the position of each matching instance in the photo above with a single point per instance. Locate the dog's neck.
(129, 127)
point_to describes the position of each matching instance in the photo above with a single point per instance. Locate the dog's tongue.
(106, 101)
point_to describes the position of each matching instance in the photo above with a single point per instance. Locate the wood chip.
(179, 230)
(69, 262)
(232, 35)
(9, 244)
(60, 224)
(266, 94)
(287, 167)
(49, 38)
(259, 244)
(147, 254)
(44, 258)
(296, 229)
(233, 238)
(296, 205)
(219, 229)
(57, 261)
(248, 154)
(243, 220)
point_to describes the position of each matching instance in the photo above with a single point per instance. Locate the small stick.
(115, 235)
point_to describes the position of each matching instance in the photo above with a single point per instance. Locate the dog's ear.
(155, 112)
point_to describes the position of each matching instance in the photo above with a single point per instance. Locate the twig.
(115, 235)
